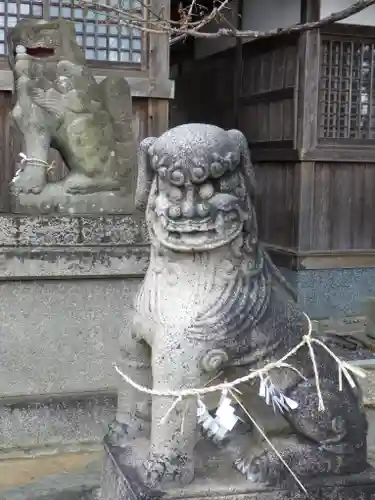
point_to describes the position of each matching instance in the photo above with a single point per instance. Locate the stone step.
(54, 423)
(71, 476)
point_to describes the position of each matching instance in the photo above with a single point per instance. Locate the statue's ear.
(246, 165)
(145, 173)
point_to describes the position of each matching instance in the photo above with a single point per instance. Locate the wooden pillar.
(306, 124)
(158, 70)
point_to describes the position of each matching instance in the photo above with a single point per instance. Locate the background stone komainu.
(59, 104)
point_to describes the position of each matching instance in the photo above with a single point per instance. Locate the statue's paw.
(30, 180)
(159, 469)
(254, 469)
(77, 183)
(118, 434)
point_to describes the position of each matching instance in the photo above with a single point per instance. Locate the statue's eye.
(217, 169)
(174, 193)
(177, 178)
(206, 191)
(199, 174)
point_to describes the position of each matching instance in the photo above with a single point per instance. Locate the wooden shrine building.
(306, 104)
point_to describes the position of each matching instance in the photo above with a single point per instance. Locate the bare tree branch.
(155, 23)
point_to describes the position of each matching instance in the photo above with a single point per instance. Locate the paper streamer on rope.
(272, 396)
(224, 421)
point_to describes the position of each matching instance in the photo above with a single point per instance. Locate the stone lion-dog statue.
(59, 104)
(212, 301)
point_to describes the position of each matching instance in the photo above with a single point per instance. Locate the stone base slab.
(42, 246)
(216, 479)
(54, 200)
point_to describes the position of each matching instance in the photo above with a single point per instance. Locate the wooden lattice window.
(347, 90)
(102, 39)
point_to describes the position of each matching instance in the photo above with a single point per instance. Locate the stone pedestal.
(67, 286)
(216, 479)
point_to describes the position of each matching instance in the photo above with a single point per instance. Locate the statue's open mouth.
(38, 52)
(198, 234)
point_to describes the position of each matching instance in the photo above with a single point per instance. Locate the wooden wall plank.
(321, 205)
(337, 207)
(276, 205)
(306, 204)
(267, 111)
(341, 206)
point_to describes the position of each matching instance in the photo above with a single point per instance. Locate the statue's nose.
(188, 205)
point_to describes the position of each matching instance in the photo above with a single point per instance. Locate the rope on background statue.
(27, 159)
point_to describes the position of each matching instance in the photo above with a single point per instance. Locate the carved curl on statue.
(213, 301)
(59, 104)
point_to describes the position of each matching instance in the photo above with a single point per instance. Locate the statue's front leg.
(133, 407)
(32, 176)
(173, 435)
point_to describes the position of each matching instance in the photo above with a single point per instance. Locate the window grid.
(101, 39)
(347, 90)
(11, 11)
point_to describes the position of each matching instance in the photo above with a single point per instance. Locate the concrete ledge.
(62, 336)
(36, 231)
(54, 423)
(73, 262)
(332, 293)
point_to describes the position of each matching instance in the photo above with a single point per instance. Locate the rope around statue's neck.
(307, 340)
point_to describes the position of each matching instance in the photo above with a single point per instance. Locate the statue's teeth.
(20, 49)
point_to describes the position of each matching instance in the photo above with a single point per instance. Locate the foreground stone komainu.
(59, 104)
(212, 301)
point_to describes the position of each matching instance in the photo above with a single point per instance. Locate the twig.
(191, 8)
(190, 28)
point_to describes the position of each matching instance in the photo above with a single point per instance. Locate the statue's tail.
(117, 97)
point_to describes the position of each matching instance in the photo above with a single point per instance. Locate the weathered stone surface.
(113, 231)
(48, 231)
(42, 262)
(8, 231)
(59, 103)
(52, 423)
(332, 293)
(83, 485)
(38, 231)
(37, 247)
(54, 200)
(62, 336)
(217, 480)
